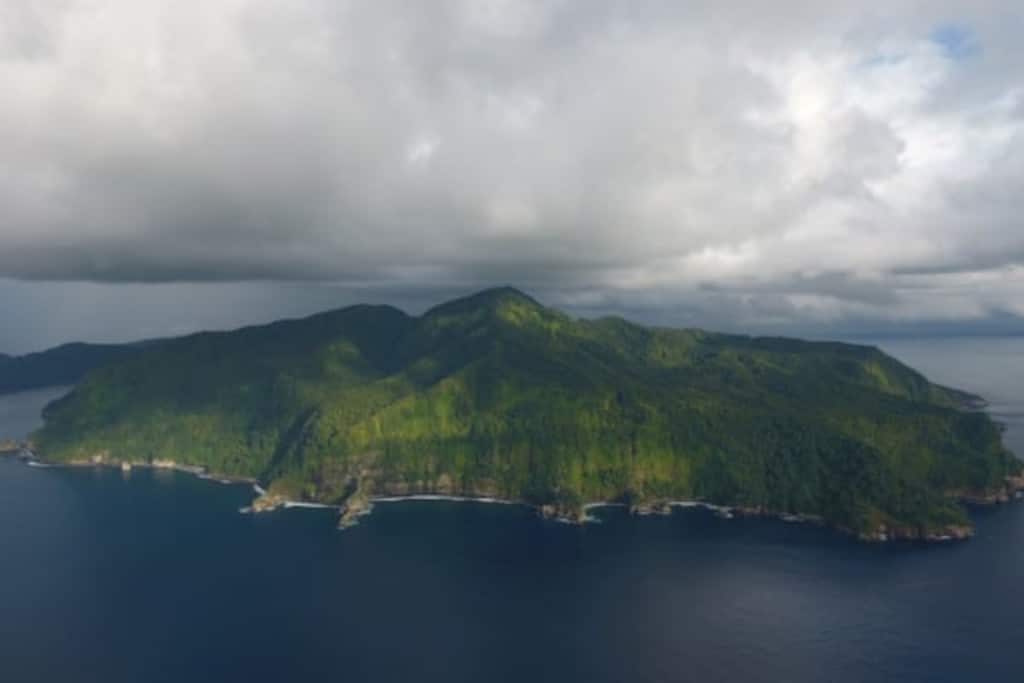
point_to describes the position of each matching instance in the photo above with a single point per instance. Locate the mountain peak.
(487, 299)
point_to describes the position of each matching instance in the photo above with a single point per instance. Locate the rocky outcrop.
(993, 497)
(268, 502)
(657, 507)
(1012, 486)
(1015, 485)
(573, 514)
(174, 465)
(950, 532)
(790, 517)
(100, 458)
(443, 485)
(355, 507)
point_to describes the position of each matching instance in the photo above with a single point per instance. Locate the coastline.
(26, 454)
(351, 513)
(360, 504)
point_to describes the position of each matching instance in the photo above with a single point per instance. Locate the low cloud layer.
(760, 163)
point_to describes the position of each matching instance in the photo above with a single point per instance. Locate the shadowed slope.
(65, 364)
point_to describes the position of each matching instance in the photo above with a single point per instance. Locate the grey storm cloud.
(766, 162)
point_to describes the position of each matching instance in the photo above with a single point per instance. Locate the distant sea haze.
(21, 413)
(992, 367)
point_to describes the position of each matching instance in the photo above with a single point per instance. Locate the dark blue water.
(154, 576)
(21, 413)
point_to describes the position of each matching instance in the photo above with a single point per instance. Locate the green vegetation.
(495, 394)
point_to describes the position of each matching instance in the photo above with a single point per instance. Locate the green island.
(495, 395)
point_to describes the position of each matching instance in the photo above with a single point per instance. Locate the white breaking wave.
(700, 504)
(603, 504)
(297, 504)
(455, 499)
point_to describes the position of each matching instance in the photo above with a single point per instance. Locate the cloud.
(787, 161)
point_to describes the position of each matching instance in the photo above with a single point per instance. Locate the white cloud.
(800, 158)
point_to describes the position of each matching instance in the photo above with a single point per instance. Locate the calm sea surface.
(156, 577)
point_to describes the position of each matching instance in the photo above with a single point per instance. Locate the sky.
(799, 166)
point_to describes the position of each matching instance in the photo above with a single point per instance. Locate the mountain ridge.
(61, 365)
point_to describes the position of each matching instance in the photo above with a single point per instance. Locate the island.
(495, 396)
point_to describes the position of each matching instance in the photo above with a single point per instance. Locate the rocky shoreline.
(360, 503)
(358, 506)
(25, 451)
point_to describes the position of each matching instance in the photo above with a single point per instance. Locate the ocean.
(155, 576)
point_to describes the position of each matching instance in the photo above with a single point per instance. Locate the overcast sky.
(795, 165)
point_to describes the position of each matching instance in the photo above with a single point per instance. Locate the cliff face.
(495, 395)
